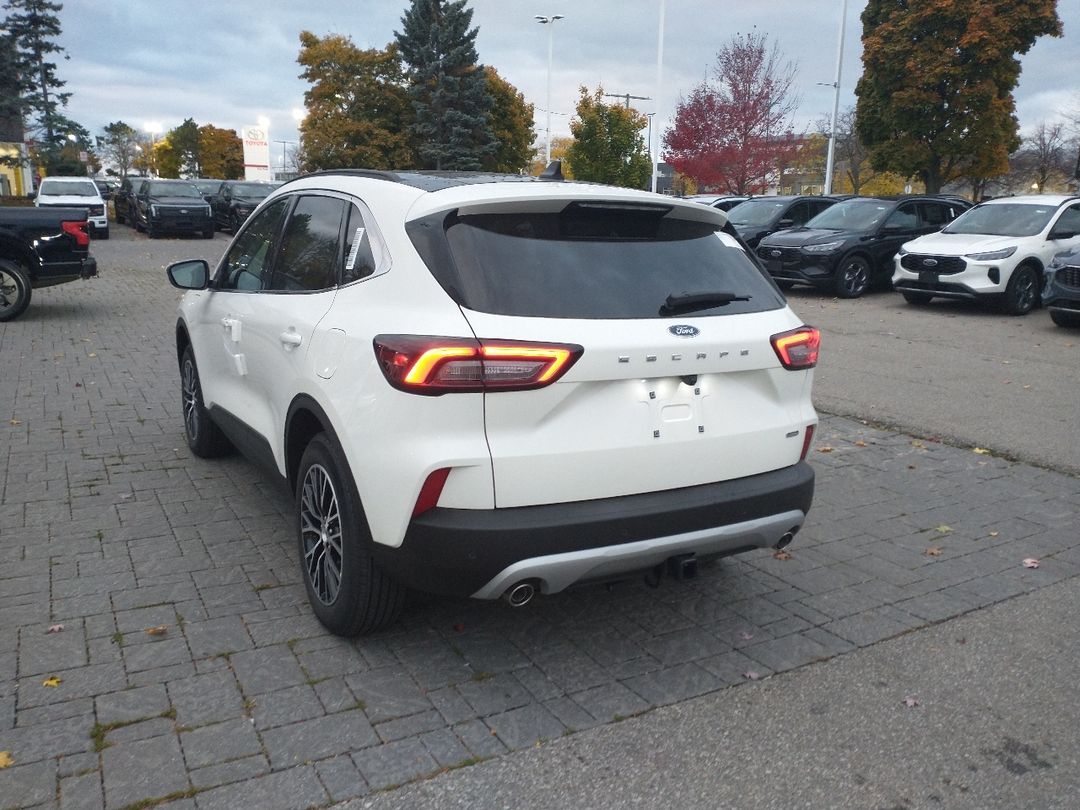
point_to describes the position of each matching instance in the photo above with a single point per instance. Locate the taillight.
(797, 348)
(432, 365)
(78, 230)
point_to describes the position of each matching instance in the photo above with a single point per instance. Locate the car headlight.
(903, 251)
(824, 247)
(992, 255)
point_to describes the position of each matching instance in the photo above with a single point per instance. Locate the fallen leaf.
(781, 555)
(860, 443)
(911, 701)
(825, 449)
(92, 354)
(5, 760)
(750, 675)
(745, 636)
(1027, 387)
(14, 422)
(160, 630)
(933, 551)
(911, 466)
(52, 682)
(994, 534)
(943, 529)
(961, 640)
(55, 628)
(1031, 562)
(982, 451)
(917, 443)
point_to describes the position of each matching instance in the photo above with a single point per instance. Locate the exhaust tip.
(785, 541)
(519, 595)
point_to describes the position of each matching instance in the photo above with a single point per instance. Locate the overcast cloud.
(227, 62)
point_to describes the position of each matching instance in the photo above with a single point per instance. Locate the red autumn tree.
(734, 131)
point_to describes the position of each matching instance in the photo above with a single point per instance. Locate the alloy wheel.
(189, 391)
(320, 531)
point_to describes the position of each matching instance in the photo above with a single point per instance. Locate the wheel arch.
(12, 250)
(183, 339)
(305, 419)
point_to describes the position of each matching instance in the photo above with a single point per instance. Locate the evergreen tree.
(120, 144)
(935, 97)
(447, 87)
(33, 25)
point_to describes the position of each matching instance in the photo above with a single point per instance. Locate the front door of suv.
(902, 225)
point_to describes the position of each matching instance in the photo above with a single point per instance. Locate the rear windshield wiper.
(693, 301)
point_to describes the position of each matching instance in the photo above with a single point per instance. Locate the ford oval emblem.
(775, 254)
(929, 262)
(684, 330)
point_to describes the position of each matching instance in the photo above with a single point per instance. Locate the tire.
(234, 224)
(102, 234)
(151, 232)
(852, 277)
(348, 592)
(208, 233)
(15, 290)
(119, 218)
(203, 436)
(784, 284)
(917, 298)
(1065, 318)
(1022, 292)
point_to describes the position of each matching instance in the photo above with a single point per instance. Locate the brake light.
(78, 230)
(798, 348)
(440, 365)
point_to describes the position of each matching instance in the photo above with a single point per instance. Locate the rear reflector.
(433, 365)
(430, 491)
(78, 230)
(808, 438)
(798, 348)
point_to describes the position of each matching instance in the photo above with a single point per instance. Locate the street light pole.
(655, 153)
(836, 102)
(550, 22)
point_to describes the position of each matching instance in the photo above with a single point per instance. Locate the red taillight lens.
(439, 365)
(797, 348)
(78, 230)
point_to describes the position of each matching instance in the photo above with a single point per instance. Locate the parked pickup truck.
(40, 247)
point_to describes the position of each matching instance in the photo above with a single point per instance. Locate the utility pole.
(626, 97)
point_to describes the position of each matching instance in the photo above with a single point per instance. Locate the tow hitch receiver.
(682, 566)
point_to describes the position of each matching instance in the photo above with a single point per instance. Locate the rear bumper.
(479, 553)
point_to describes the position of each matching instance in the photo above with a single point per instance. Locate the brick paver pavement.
(188, 671)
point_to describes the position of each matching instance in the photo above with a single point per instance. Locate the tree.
(732, 133)
(560, 147)
(120, 145)
(32, 26)
(935, 98)
(511, 125)
(181, 156)
(1041, 158)
(447, 86)
(221, 153)
(608, 145)
(358, 110)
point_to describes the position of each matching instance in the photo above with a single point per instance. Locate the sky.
(229, 62)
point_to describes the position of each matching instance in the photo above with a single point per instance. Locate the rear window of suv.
(588, 261)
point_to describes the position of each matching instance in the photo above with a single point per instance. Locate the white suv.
(996, 250)
(490, 385)
(76, 192)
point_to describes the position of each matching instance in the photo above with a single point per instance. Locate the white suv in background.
(76, 192)
(996, 250)
(489, 385)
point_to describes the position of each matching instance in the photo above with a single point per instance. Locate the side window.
(359, 257)
(310, 255)
(933, 214)
(799, 214)
(248, 260)
(904, 218)
(1069, 221)
(817, 206)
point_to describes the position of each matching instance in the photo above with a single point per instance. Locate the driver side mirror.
(786, 223)
(193, 274)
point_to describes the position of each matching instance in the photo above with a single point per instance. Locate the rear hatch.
(677, 383)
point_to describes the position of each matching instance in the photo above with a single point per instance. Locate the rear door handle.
(290, 339)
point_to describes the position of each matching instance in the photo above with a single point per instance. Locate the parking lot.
(157, 646)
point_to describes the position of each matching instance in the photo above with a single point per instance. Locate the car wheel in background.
(203, 436)
(1022, 291)
(917, 298)
(852, 277)
(15, 290)
(348, 592)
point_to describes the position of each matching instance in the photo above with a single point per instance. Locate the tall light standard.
(655, 153)
(550, 22)
(154, 129)
(836, 102)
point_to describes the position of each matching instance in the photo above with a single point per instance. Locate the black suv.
(1061, 295)
(851, 245)
(124, 200)
(757, 218)
(172, 206)
(235, 200)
